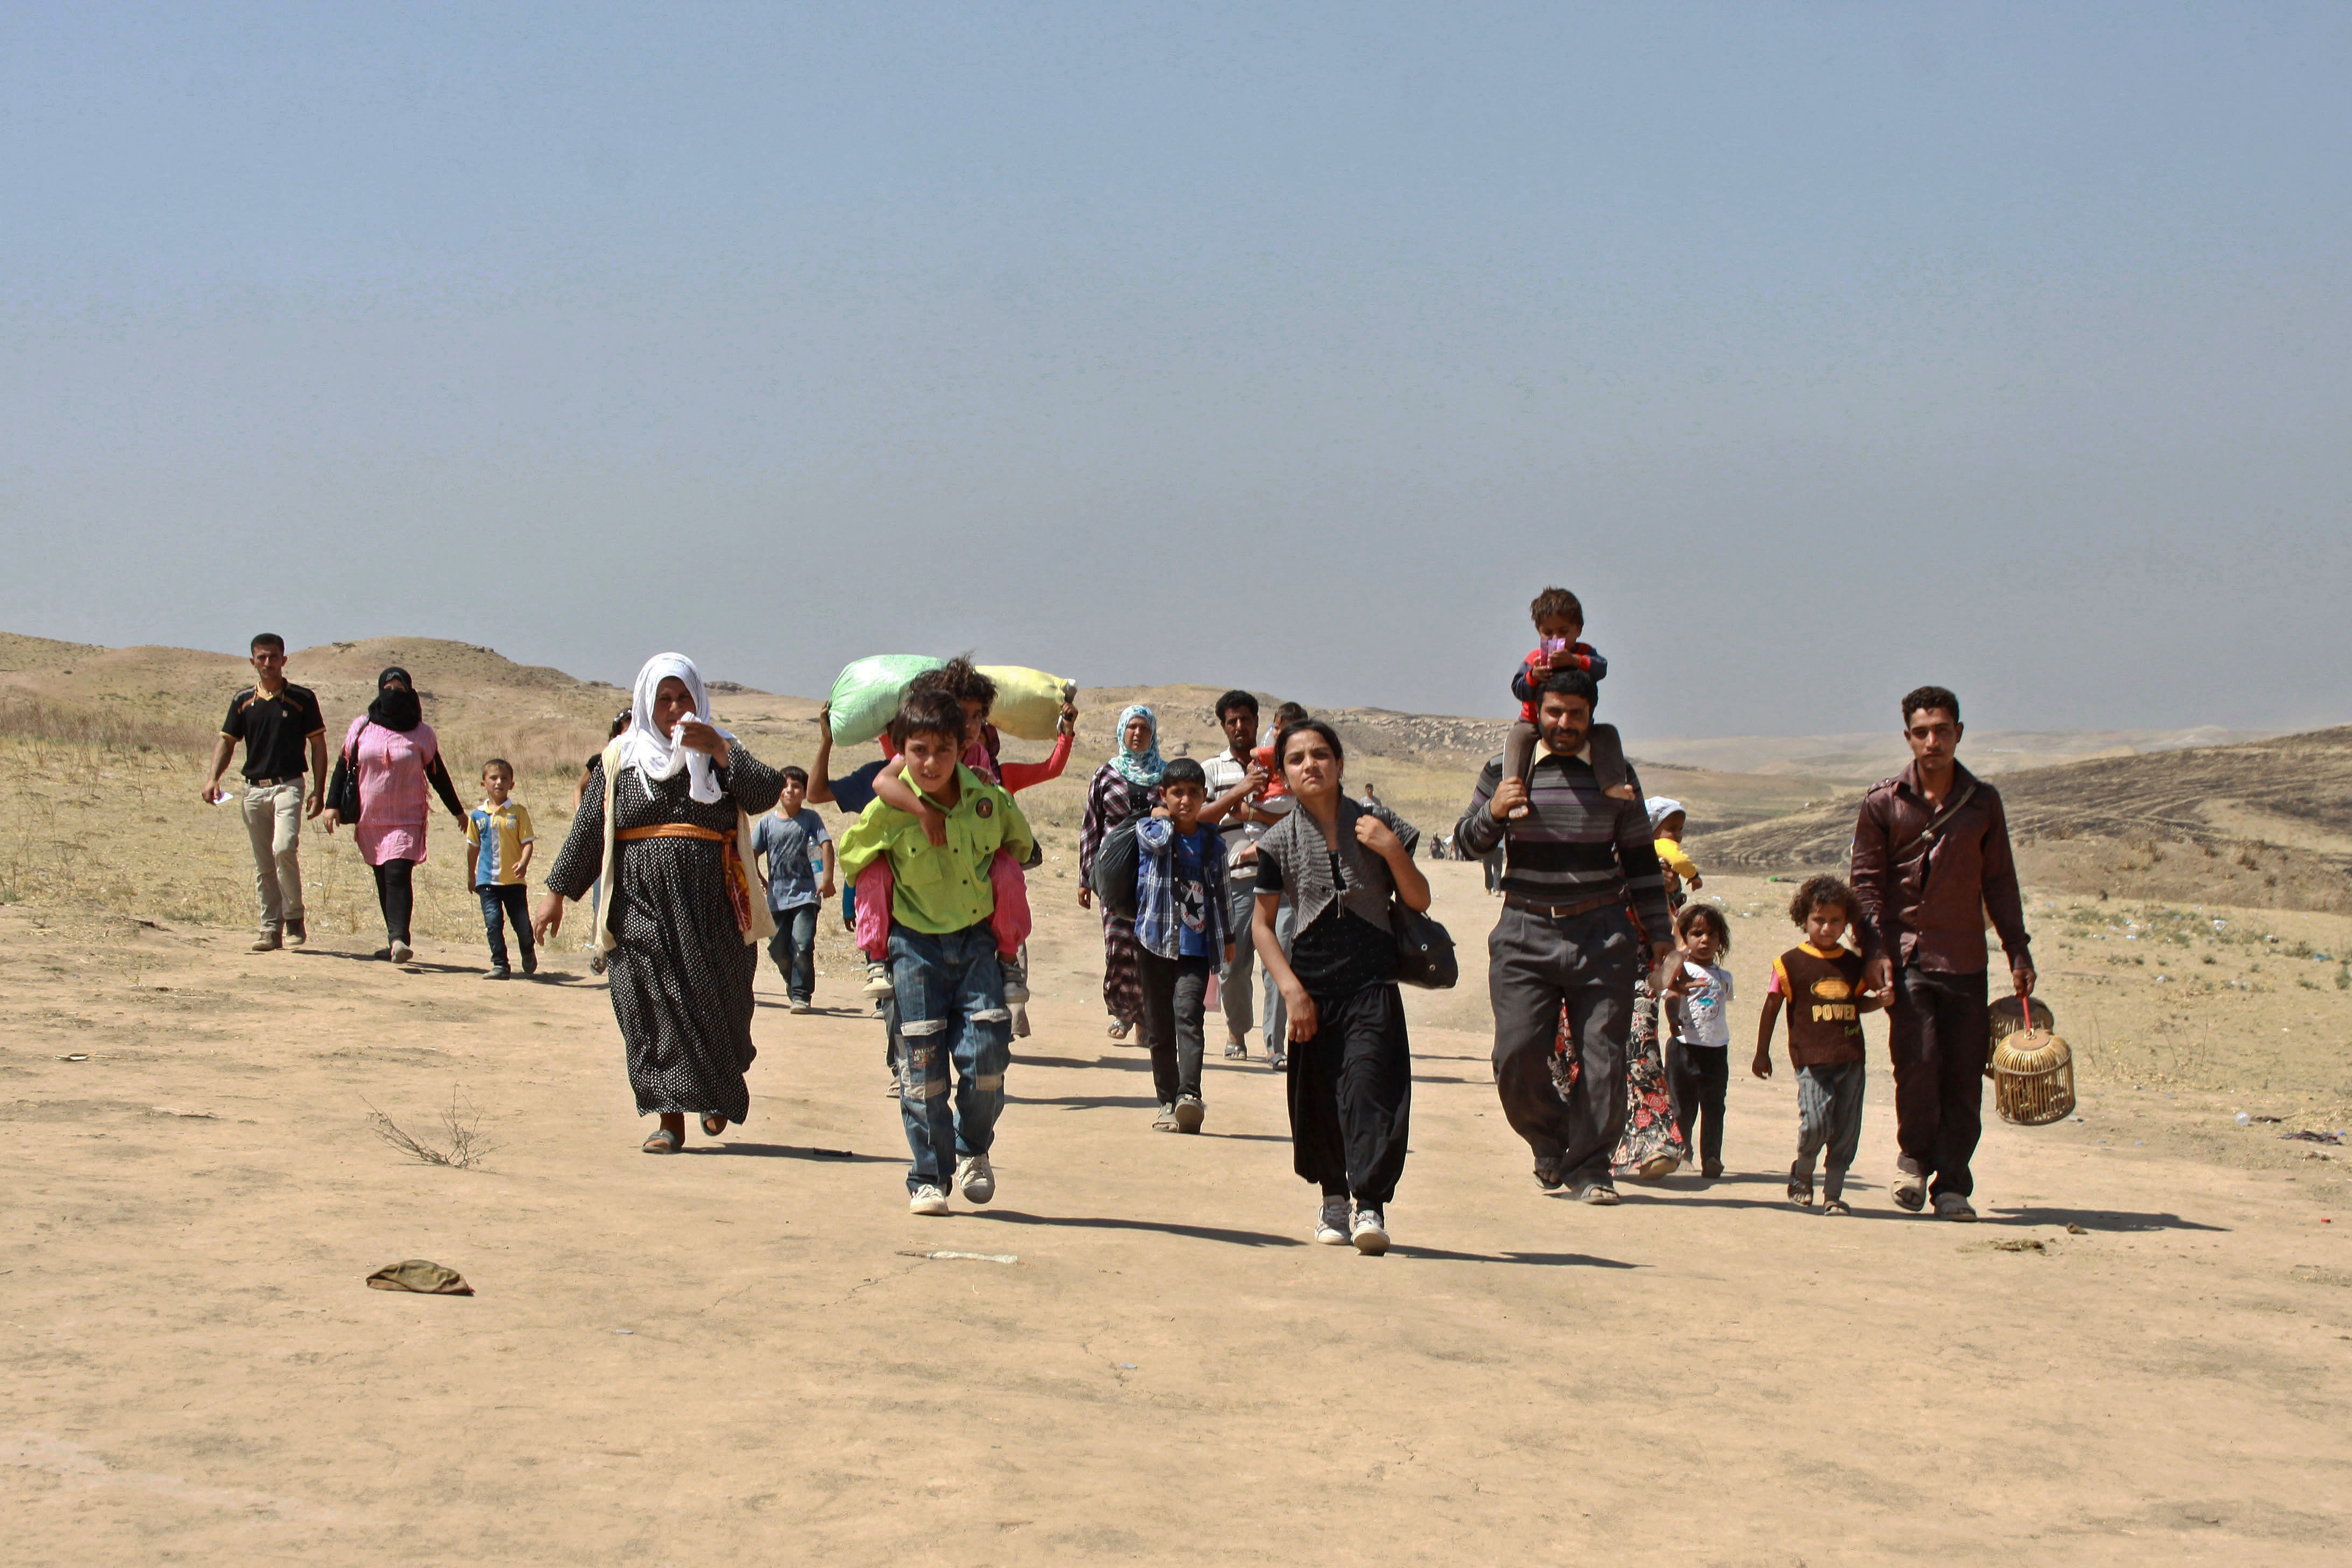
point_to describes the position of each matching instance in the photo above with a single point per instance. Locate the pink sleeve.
(1772, 986)
(1017, 777)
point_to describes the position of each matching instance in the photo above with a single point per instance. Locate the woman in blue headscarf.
(1126, 786)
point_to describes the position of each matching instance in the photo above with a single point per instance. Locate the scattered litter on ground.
(964, 1257)
(2076, 1230)
(2307, 1136)
(423, 1277)
(76, 1057)
(190, 1115)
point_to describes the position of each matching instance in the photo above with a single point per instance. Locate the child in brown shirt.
(1820, 982)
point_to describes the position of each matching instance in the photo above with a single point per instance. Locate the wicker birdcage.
(2032, 1077)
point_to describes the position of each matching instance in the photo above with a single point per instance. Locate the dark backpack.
(1113, 879)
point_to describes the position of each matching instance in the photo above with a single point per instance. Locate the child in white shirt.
(1698, 1056)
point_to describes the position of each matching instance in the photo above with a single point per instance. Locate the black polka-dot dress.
(681, 973)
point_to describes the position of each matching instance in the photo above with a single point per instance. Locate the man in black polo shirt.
(280, 724)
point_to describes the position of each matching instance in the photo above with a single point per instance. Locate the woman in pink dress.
(395, 756)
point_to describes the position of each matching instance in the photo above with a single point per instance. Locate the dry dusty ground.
(743, 1355)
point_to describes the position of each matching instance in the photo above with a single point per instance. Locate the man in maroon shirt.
(1931, 861)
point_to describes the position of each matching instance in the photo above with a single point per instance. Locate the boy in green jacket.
(943, 966)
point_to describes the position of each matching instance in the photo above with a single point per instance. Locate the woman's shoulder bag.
(343, 787)
(1425, 949)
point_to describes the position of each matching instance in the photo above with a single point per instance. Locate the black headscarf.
(395, 707)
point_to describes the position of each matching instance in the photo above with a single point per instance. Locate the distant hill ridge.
(2259, 821)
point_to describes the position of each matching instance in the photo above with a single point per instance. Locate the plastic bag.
(1028, 701)
(867, 691)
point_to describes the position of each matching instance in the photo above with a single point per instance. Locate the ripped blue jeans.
(951, 1001)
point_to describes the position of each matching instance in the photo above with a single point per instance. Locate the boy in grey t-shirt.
(792, 837)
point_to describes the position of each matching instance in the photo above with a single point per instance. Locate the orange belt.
(673, 830)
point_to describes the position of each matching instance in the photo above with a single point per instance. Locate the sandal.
(1801, 1191)
(664, 1141)
(1835, 1205)
(1119, 1027)
(713, 1124)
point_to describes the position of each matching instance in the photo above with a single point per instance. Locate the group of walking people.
(1260, 854)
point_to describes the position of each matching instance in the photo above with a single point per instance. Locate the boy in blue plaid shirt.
(1183, 935)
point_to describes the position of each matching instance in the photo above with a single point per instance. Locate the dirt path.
(742, 1355)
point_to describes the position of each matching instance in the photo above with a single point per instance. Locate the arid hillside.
(2263, 824)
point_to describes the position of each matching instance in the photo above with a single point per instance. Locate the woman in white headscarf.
(667, 813)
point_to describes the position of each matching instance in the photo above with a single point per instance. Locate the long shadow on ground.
(1544, 1259)
(1104, 1222)
(788, 1152)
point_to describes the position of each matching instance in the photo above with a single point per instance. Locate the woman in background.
(398, 759)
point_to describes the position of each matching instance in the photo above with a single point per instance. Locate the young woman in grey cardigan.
(1351, 1069)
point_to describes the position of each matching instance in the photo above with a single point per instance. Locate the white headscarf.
(1660, 808)
(658, 756)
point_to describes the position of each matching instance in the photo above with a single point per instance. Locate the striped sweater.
(1574, 844)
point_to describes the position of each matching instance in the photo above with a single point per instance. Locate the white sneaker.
(1016, 981)
(878, 980)
(797, 1005)
(1372, 1238)
(1190, 1112)
(926, 1199)
(1331, 1223)
(976, 1177)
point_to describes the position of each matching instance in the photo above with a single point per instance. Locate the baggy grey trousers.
(1535, 964)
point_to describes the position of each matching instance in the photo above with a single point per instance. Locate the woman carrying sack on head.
(1126, 786)
(391, 760)
(1351, 1069)
(666, 820)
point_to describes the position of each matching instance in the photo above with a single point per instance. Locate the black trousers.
(395, 896)
(1697, 1076)
(1533, 964)
(1175, 997)
(1939, 1033)
(1351, 1096)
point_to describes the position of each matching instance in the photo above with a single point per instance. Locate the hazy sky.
(1824, 350)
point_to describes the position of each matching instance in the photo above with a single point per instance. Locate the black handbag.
(1425, 949)
(344, 789)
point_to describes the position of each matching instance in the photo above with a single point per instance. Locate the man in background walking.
(282, 727)
(1236, 784)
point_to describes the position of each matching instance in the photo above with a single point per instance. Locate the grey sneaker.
(399, 952)
(1331, 1223)
(1371, 1236)
(1166, 1120)
(1952, 1206)
(1190, 1113)
(798, 1004)
(926, 1199)
(975, 1178)
(1016, 981)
